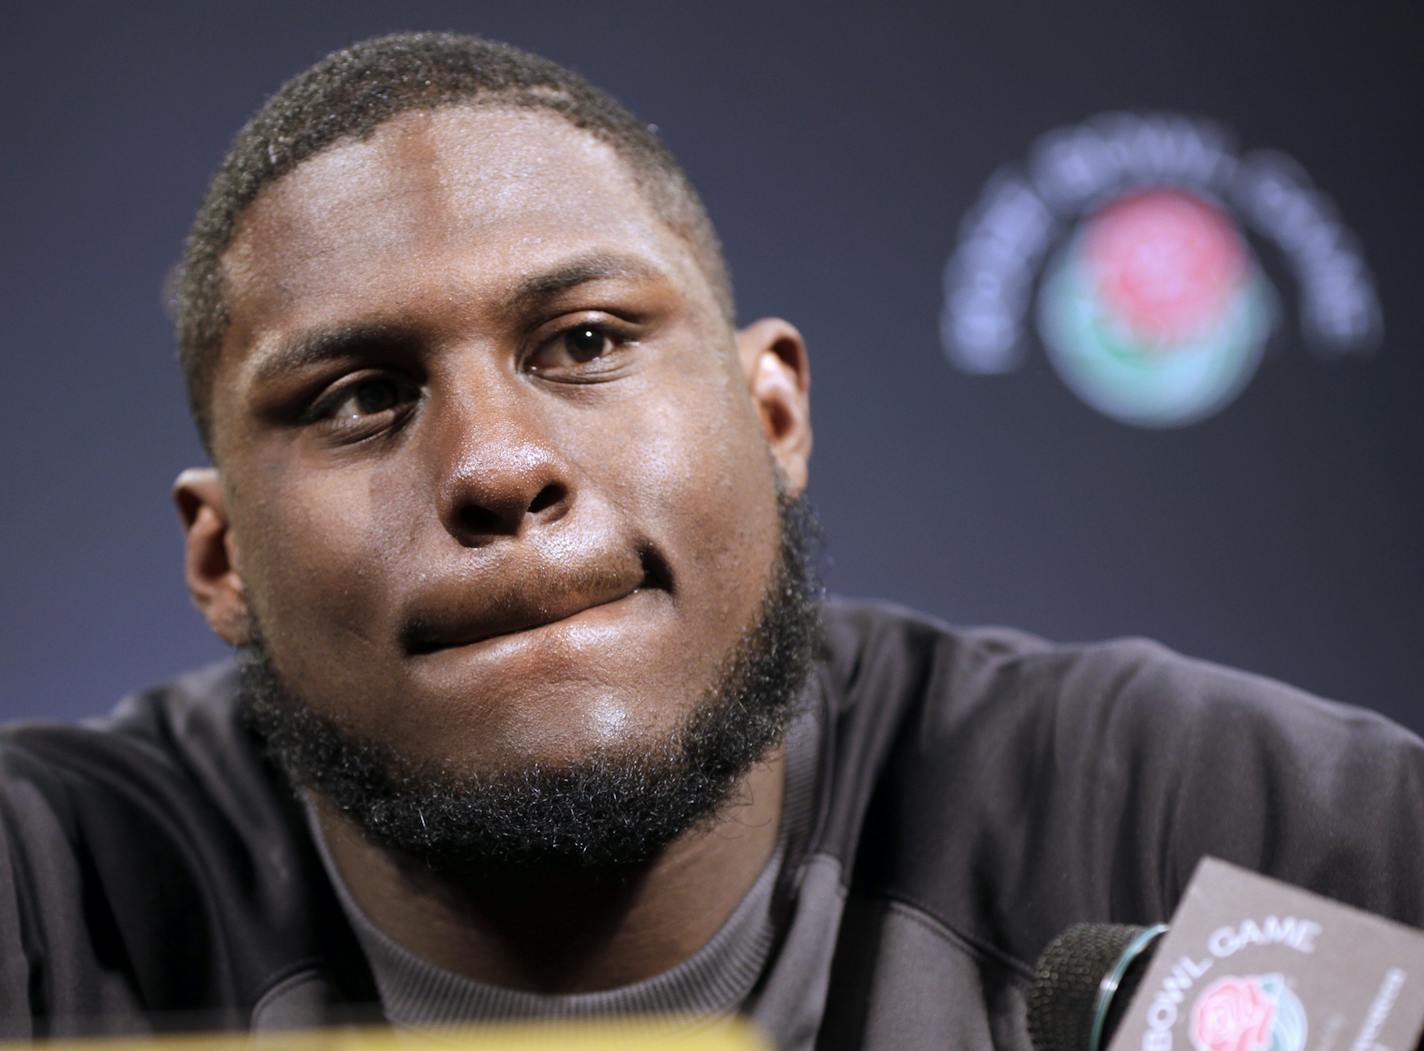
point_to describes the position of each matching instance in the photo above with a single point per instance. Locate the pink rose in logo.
(1166, 262)
(1233, 1014)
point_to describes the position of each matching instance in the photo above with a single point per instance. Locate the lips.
(466, 610)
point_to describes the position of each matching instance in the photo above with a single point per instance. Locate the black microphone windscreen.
(1063, 1004)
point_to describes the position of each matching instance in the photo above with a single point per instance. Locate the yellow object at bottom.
(629, 1034)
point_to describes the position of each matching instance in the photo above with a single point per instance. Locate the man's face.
(496, 471)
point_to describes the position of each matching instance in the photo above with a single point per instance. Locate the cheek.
(707, 473)
(317, 568)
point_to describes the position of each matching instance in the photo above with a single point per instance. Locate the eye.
(368, 397)
(365, 406)
(585, 343)
(574, 350)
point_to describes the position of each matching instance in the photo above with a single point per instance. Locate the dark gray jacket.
(968, 795)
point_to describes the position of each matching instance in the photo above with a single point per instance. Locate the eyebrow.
(339, 343)
(581, 270)
(323, 345)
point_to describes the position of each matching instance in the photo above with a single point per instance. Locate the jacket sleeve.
(1177, 759)
(62, 971)
(1035, 786)
(15, 1011)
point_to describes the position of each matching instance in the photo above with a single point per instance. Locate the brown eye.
(581, 353)
(585, 343)
(585, 351)
(373, 396)
(373, 403)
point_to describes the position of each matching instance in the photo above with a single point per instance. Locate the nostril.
(551, 494)
(474, 522)
(479, 520)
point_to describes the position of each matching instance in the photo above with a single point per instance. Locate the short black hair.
(348, 95)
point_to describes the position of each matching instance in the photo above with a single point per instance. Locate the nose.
(501, 473)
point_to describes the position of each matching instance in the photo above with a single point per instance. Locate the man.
(504, 523)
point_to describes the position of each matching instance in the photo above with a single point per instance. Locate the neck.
(562, 929)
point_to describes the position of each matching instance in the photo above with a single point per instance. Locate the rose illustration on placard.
(1255, 1013)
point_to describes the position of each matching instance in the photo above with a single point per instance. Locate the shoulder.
(952, 669)
(942, 681)
(165, 822)
(1010, 786)
(182, 742)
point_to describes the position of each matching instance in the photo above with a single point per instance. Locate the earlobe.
(778, 375)
(210, 554)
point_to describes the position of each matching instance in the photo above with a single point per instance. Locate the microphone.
(1084, 981)
(1249, 964)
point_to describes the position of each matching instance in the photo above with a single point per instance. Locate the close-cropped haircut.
(346, 97)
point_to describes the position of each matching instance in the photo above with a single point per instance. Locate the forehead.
(461, 200)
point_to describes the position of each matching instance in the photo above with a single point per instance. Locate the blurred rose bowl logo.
(1155, 312)
(1128, 239)
(1257, 1013)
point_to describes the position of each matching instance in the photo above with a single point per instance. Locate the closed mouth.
(459, 615)
(421, 643)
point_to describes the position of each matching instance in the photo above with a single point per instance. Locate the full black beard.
(607, 811)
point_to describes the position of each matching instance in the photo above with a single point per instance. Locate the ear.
(778, 375)
(210, 562)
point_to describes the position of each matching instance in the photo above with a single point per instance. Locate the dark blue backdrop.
(839, 147)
